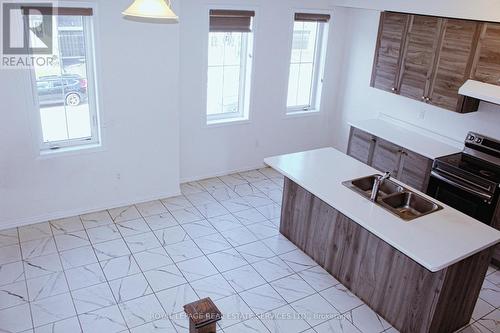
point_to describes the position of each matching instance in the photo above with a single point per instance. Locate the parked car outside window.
(68, 89)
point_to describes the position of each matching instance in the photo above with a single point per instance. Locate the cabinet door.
(386, 157)
(415, 170)
(390, 42)
(361, 145)
(419, 55)
(487, 62)
(453, 63)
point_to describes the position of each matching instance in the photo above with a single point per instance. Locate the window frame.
(95, 140)
(318, 70)
(246, 74)
(244, 59)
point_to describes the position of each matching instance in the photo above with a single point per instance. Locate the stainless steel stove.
(469, 181)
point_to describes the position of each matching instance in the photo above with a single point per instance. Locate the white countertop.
(435, 241)
(419, 143)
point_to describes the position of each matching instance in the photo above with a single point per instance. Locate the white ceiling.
(484, 10)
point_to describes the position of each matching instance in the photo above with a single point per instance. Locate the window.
(307, 62)
(65, 88)
(229, 65)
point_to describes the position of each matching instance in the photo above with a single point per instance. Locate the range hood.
(480, 90)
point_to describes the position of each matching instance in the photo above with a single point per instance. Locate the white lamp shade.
(157, 9)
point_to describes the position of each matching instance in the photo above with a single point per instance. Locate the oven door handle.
(485, 196)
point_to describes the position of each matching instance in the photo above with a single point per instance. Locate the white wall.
(208, 151)
(357, 100)
(138, 72)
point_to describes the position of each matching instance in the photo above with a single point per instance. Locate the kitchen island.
(421, 276)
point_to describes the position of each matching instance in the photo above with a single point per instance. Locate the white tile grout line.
(105, 277)
(25, 281)
(143, 275)
(206, 189)
(65, 277)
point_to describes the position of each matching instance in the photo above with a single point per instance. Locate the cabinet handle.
(394, 89)
(424, 98)
(428, 99)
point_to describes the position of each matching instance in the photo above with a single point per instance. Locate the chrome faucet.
(376, 185)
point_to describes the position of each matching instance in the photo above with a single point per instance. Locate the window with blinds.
(230, 46)
(307, 62)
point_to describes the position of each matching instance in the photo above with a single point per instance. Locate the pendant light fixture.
(153, 9)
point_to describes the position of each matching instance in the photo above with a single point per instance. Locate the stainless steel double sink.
(395, 198)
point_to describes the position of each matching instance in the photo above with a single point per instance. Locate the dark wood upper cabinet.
(454, 59)
(390, 44)
(486, 66)
(418, 56)
(428, 58)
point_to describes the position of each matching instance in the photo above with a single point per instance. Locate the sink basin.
(365, 186)
(409, 205)
(394, 197)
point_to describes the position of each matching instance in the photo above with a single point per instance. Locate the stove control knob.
(471, 138)
(479, 140)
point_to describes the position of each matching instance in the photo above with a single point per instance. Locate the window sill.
(228, 121)
(71, 151)
(302, 113)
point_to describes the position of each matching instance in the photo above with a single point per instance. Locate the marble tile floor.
(131, 269)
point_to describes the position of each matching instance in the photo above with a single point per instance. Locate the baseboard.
(75, 212)
(219, 174)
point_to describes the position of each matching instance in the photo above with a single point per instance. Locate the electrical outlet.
(118, 176)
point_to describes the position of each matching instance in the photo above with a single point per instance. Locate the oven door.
(462, 196)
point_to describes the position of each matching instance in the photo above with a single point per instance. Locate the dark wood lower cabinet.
(415, 170)
(496, 224)
(409, 167)
(361, 145)
(387, 157)
(406, 294)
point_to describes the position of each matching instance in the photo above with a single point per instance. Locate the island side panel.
(406, 294)
(392, 284)
(460, 291)
(315, 223)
